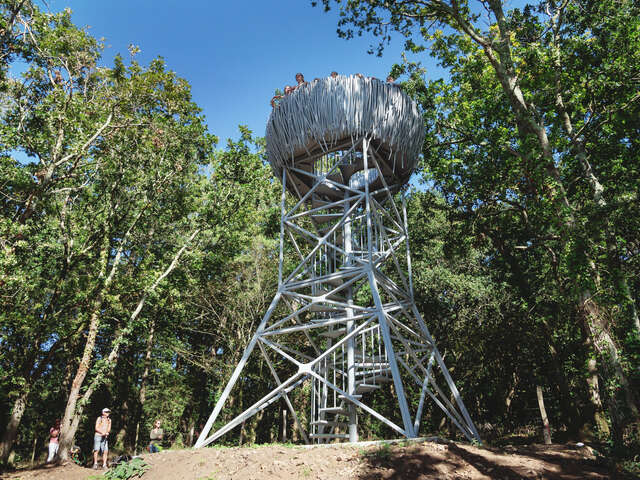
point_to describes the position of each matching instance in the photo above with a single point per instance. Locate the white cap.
(106, 410)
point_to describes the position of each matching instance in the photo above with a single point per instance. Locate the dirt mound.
(419, 460)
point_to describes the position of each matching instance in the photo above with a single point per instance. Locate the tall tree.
(104, 212)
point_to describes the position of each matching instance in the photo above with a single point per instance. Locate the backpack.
(121, 459)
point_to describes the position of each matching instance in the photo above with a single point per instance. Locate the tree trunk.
(597, 326)
(594, 397)
(190, 435)
(284, 426)
(241, 406)
(11, 432)
(142, 394)
(631, 302)
(33, 450)
(67, 432)
(511, 393)
(568, 406)
(122, 437)
(78, 410)
(546, 429)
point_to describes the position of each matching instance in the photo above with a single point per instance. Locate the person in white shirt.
(100, 438)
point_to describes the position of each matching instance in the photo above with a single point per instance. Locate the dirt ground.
(419, 460)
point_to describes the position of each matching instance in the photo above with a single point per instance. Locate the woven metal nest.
(332, 113)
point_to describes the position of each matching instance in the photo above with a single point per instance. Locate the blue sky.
(234, 54)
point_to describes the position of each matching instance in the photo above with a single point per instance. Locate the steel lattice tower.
(344, 318)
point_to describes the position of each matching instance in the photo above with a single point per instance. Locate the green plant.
(632, 467)
(382, 453)
(126, 470)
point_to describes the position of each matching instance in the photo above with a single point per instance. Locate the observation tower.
(343, 324)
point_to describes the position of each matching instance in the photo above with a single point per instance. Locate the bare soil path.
(420, 461)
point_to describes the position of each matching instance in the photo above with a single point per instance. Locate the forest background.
(136, 256)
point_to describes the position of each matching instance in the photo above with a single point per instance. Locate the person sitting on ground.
(74, 453)
(155, 437)
(100, 438)
(54, 434)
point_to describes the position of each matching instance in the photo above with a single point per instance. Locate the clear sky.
(233, 53)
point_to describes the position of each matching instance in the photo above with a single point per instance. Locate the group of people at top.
(288, 89)
(101, 438)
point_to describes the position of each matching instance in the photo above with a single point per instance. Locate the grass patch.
(380, 454)
(256, 445)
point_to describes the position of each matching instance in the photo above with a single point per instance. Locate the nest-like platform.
(330, 114)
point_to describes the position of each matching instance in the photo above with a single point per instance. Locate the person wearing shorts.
(100, 438)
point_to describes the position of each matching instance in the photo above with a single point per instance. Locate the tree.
(93, 227)
(529, 135)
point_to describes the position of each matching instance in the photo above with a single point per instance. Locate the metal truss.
(344, 318)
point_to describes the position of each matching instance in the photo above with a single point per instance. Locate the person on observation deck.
(334, 74)
(287, 90)
(390, 79)
(299, 80)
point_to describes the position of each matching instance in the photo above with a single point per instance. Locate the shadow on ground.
(454, 461)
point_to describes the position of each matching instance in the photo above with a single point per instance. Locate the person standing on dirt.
(100, 438)
(155, 437)
(54, 434)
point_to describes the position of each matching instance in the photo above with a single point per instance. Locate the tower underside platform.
(326, 115)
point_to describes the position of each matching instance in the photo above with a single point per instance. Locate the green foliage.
(135, 468)
(119, 222)
(380, 454)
